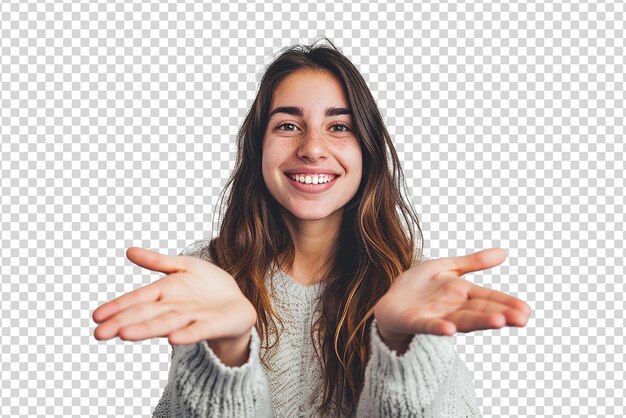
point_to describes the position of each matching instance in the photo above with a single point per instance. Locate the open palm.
(433, 298)
(195, 301)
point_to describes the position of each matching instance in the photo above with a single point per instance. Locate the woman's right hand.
(195, 301)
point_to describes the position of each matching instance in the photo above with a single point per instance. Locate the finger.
(479, 292)
(513, 316)
(435, 326)
(481, 260)
(135, 314)
(155, 261)
(467, 320)
(148, 293)
(196, 331)
(161, 326)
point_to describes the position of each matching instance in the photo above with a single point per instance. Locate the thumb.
(155, 261)
(481, 260)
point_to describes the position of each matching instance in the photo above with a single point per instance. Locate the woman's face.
(305, 138)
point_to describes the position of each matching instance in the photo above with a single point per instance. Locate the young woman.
(317, 237)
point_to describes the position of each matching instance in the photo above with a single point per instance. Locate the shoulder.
(199, 249)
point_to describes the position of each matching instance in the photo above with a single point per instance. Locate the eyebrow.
(299, 111)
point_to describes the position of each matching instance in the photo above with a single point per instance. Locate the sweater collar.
(286, 285)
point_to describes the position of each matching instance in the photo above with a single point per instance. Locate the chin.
(310, 213)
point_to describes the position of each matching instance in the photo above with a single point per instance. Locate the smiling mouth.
(312, 179)
(312, 187)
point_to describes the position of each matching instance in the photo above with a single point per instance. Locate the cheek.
(266, 172)
(266, 156)
(270, 161)
(356, 160)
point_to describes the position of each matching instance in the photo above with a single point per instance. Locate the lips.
(311, 188)
(311, 171)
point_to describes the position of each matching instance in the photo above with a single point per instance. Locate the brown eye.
(347, 128)
(284, 124)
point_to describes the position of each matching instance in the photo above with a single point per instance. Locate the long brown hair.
(380, 235)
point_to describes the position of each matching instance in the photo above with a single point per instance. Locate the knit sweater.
(428, 380)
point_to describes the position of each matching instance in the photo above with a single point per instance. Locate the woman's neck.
(314, 242)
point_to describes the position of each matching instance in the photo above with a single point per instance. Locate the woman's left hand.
(432, 298)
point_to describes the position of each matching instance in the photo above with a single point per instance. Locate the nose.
(312, 146)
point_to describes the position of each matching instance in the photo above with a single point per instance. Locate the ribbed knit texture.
(428, 380)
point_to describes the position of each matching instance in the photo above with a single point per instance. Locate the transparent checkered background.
(117, 128)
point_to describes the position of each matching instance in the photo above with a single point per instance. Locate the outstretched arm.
(200, 385)
(413, 369)
(428, 380)
(215, 366)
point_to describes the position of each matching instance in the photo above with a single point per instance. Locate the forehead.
(309, 88)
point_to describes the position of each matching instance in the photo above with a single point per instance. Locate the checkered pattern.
(117, 123)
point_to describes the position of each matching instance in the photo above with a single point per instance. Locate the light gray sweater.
(428, 380)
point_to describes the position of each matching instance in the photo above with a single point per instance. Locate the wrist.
(395, 341)
(233, 352)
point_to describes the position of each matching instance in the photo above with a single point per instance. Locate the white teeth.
(315, 179)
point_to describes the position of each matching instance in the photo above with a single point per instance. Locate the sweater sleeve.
(200, 385)
(428, 380)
